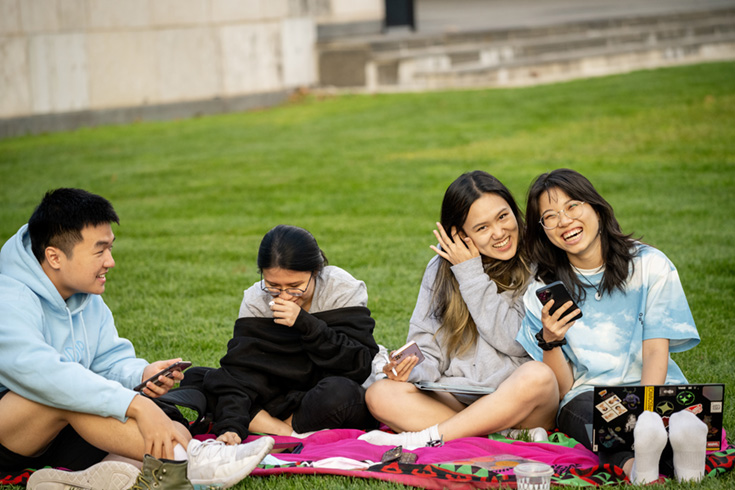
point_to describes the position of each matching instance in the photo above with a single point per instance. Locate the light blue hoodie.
(64, 354)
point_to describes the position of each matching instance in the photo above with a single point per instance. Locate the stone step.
(478, 58)
(567, 66)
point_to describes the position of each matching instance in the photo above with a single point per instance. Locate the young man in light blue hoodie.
(66, 377)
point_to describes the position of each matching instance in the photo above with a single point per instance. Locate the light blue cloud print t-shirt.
(605, 346)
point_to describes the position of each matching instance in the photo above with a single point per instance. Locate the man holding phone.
(66, 378)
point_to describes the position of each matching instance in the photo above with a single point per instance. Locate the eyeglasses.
(572, 210)
(276, 292)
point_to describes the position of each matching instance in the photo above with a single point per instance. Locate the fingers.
(389, 369)
(547, 308)
(230, 438)
(456, 247)
(568, 319)
(439, 252)
(441, 235)
(153, 390)
(406, 366)
(284, 312)
(471, 246)
(400, 371)
(156, 449)
(556, 324)
(447, 241)
(163, 384)
(167, 450)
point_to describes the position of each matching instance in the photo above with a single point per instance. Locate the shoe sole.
(253, 461)
(107, 475)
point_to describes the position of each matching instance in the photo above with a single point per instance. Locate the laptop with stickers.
(616, 411)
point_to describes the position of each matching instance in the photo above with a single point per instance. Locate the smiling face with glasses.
(552, 219)
(288, 284)
(573, 226)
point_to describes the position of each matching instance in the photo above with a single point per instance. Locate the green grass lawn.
(366, 175)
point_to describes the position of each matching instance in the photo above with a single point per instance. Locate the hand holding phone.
(168, 372)
(410, 349)
(560, 294)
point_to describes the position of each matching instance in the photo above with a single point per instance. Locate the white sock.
(180, 453)
(650, 439)
(409, 440)
(688, 436)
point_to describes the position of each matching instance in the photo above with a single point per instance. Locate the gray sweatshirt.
(497, 316)
(333, 288)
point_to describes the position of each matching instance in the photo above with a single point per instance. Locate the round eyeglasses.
(572, 210)
(276, 292)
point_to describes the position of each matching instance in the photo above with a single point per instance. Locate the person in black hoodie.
(302, 347)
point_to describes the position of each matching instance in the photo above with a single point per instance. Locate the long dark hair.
(449, 307)
(618, 249)
(291, 248)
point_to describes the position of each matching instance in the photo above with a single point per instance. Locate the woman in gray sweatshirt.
(468, 312)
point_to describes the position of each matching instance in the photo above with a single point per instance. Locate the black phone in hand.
(560, 294)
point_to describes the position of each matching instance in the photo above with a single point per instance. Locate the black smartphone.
(177, 366)
(560, 294)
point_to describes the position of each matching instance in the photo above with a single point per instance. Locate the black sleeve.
(232, 408)
(340, 342)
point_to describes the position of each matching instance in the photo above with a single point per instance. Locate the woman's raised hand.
(455, 248)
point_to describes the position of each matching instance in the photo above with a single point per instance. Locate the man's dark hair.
(62, 215)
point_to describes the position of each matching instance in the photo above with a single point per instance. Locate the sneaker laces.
(217, 448)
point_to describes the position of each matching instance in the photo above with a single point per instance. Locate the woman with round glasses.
(467, 314)
(634, 313)
(302, 347)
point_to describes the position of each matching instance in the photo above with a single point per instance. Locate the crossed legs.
(27, 428)
(527, 398)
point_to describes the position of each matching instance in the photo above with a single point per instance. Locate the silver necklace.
(598, 293)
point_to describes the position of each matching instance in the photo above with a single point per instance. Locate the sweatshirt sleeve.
(255, 303)
(531, 324)
(114, 357)
(343, 346)
(33, 369)
(498, 316)
(422, 329)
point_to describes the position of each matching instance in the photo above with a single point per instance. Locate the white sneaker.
(107, 475)
(215, 463)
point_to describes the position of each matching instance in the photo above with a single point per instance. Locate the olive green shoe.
(162, 474)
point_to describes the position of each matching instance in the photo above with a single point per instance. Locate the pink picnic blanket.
(471, 462)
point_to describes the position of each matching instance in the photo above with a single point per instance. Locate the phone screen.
(560, 294)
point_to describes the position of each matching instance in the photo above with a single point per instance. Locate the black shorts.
(68, 451)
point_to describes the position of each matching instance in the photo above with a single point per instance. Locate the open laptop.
(616, 411)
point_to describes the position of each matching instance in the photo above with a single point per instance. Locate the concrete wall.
(76, 56)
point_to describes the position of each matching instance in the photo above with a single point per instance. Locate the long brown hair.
(618, 249)
(512, 275)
